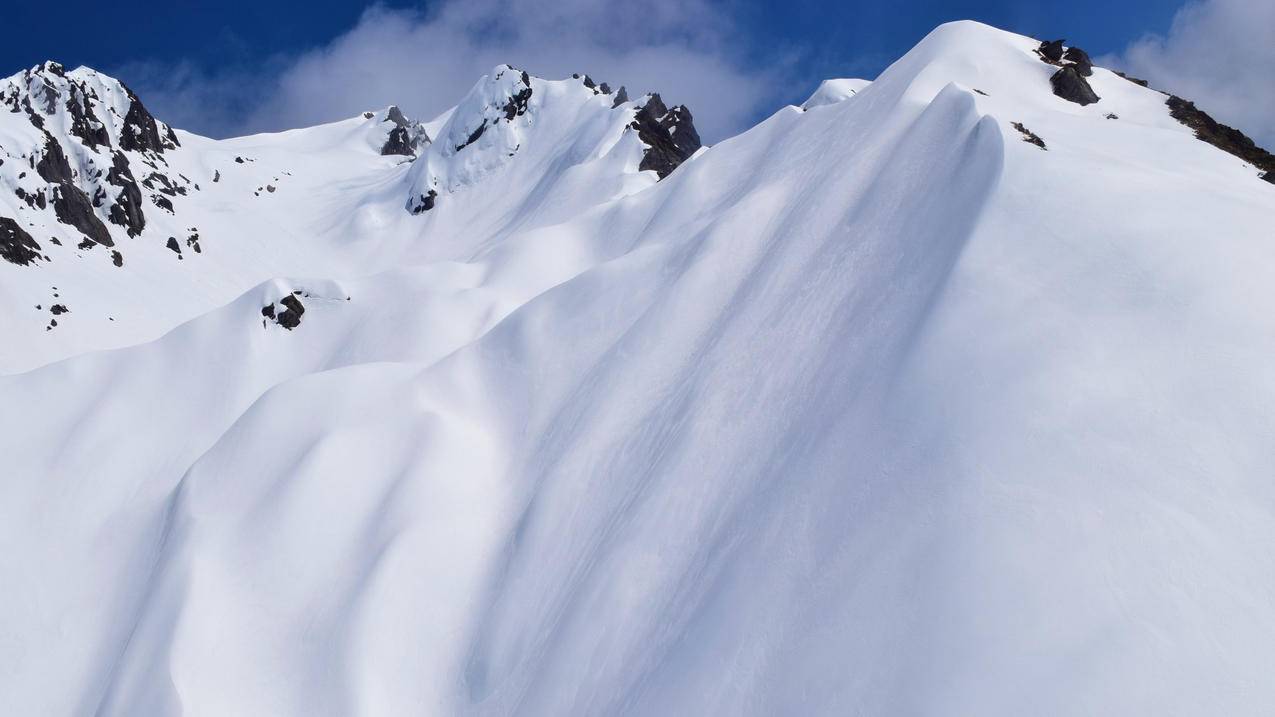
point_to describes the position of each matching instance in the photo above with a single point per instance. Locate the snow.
(833, 91)
(871, 409)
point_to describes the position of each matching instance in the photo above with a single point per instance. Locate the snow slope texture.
(872, 409)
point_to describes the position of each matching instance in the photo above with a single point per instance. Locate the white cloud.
(1219, 54)
(425, 62)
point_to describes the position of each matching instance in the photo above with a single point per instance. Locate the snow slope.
(830, 91)
(875, 409)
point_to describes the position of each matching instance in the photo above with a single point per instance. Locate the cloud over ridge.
(425, 61)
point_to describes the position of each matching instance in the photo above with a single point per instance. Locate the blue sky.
(223, 67)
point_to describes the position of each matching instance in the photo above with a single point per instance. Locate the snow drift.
(874, 408)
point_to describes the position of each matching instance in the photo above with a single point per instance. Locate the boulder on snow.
(1080, 60)
(290, 317)
(1071, 86)
(1051, 51)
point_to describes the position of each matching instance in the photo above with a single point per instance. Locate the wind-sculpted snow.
(874, 408)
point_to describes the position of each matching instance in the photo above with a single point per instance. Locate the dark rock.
(1227, 139)
(1029, 136)
(161, 183)
(290, 317)
(406, 137)
(1112, 115)
(141, 131)
(127, 209)
(669, 135)
(604, 88)
(72, 207)
(58, 309)
(238, 160)
(70, 204)
(16, 246)
(84, 122)
(53, 166)
(621, 96)
(397, 143)
(1080, 60)
(216, 176)
(162, 203)
(86, 244)
(1069, 85)
(517, 103)
(425, 202)
(270, 188)
(473, 136)
(268, 311)
(174, 246)
(117, 258)
(1051, 51)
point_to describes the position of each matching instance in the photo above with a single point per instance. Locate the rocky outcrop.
(1069, 82)
(1071, 86)
(424, 202)
(516, 106)
(290, 315)
(73, 208)
(1227, 139)
(126, 211)
(1079, 59)
(406, 138)
(16, 246)
(1029, 136)
(140, 132)
(1051, 51)
(669, 135)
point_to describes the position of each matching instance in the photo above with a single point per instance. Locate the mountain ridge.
(848, 412)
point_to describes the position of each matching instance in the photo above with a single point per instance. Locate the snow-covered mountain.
(948, 393)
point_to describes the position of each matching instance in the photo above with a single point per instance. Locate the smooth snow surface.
(833, 91)
(872, 409)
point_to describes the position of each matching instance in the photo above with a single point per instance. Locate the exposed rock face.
(1071, 86)
(95, 132)
(1227, 139)
(141, 132)
(406, 138)
(517, 104)
(1051, 51)
(16, 246)
(84, 121)
(668, 133)
(1079, 59)
(75, 209)
(621, 96)
(127, 209)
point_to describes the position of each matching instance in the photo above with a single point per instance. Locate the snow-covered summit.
(951, 398)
